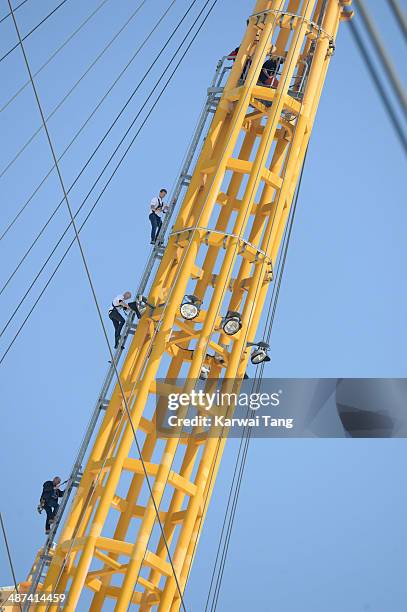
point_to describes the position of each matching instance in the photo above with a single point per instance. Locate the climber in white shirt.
(157, 208)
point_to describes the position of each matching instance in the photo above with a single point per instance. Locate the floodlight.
(260, 353)
(190, 307)
(232, 323)
(204, 372)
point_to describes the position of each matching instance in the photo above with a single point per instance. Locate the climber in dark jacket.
(49, 500)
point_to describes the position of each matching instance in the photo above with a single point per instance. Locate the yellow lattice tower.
(221, 249)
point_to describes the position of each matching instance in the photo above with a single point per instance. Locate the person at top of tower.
(232, 55)
(49, 500)
(157, 207)
(267, 77)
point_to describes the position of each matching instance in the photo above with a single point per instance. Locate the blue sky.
(320, 523)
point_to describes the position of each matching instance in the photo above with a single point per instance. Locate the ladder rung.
(186, 179)
(132, 329)
(159, 252)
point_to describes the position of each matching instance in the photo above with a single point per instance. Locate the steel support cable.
(278, 275)
(15, 8)
(378, 83)
(33, 29)
(10, 559)
(283, 243)
(230, 508)
(231, 505)
(285, 251)
(218, 447)
(269, 324)
(92, 288)
(244, 445)
(249, 433)
(399, 15)
(72, 89)
(78, 132)
(225, 528)
(228, 504)
(113, 362)
(220, 549)
(387, 64)
(272, 296)
(98, 177)
(246, 437)
(55, 53)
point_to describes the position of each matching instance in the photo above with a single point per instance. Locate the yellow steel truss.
(222, 249)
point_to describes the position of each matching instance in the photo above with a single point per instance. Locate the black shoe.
(115, 347)
(47, 531)
(152, 242)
